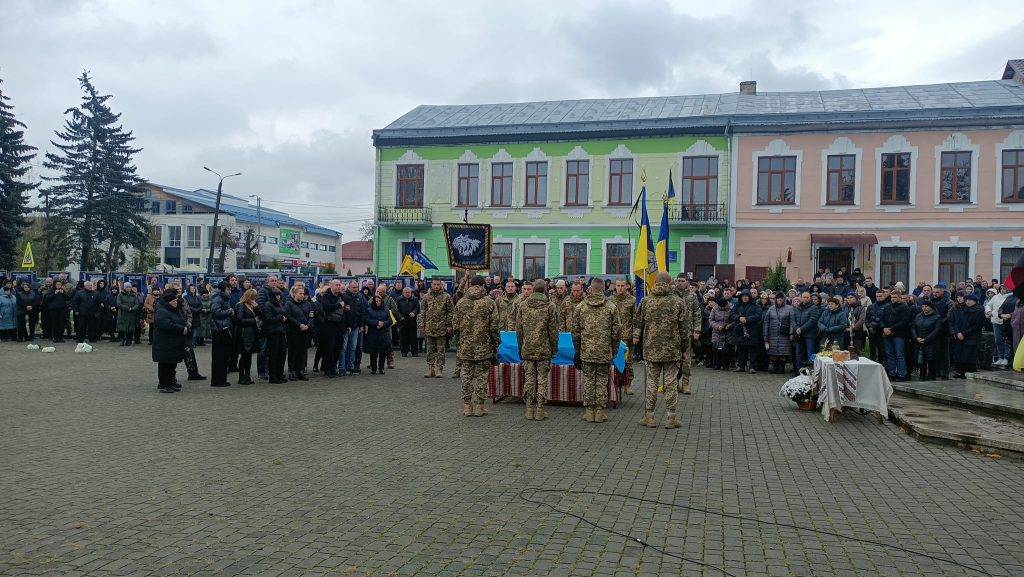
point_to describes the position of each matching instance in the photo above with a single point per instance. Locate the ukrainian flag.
(415, 262)
(644, 251)
(661, 249)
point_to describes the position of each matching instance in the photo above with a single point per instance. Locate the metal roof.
(948, 103)
(243, 211)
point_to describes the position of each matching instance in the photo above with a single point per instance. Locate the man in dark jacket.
(355, 316)
(86, 303)
(805, 329)
(221, 312)
(56, 304)
(940, 304)
(408, 309)
(896, 320)
(873, 324)
(334, 329)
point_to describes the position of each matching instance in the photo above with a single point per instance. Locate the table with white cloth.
(858, 384)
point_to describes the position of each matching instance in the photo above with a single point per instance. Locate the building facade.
(907, 183)
(558, 207)
(183, 224)
(358, 257)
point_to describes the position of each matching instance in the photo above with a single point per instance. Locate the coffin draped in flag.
(469, 245)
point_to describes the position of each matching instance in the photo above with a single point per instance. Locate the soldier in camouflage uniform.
(557, 296)
(625, 306)
(436, 320)
(536, 323)
(476, 319)
(460, 293)
(666, 329)
(569, 305)
(594, 326)
(505, 303)
(691, 306)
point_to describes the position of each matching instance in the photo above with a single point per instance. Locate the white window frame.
(997, 253)
(170, 242)
(467, 158)
(198, 261)
(842, 146)
(510, 241)
(777, 147)
(617, 240)
(954, 242)
(897, 242)
(561, 253)
(1013, 141)
(199, 240)
(522, 254)
(958, 142)
(704, 148)
(895, 144)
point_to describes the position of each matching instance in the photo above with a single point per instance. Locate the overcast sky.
(288, 92)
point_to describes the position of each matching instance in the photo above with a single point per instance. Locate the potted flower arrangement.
(799, 390)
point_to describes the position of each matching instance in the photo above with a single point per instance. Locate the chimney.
(748, 87)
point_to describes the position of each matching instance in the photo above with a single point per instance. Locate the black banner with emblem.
(469, 245)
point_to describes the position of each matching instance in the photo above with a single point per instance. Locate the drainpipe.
(730, 235)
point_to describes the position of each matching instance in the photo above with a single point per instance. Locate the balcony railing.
(395, 215)
(710, 213)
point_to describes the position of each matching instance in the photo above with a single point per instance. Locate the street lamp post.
(259, 230)
(216, 215)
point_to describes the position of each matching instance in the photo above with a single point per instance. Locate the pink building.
(912, 184)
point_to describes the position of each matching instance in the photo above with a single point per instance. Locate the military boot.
(540, 414)
(648, 420)
(599, 416)
(467, 410)
(529, 412)
(430, 372)
(671, 422)
(480, 410)
(440, 370)
(588, 415)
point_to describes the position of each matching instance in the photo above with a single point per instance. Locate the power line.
(314, 205)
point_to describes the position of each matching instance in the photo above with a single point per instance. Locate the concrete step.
(966, 393)
(971, 429)
(1005, 379)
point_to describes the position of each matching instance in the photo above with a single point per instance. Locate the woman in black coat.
(925, 331)
(301, 316)
(965, 325)
(55, 303)
(247, 335)
(377, 341)
(746, 329)
(168, 340)
(275, 329)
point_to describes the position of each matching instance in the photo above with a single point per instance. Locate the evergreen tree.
(775, 278)
(15, 157)
(96, 192)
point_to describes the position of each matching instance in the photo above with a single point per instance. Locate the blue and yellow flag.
(644, 251)
(415, 262)
(661, 249)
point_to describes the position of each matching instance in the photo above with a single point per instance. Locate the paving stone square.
(383, 476)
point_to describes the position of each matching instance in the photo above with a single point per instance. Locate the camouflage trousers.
(595, 384)
(435, 351)
(474, 381)
(656, 374)
(535, 389)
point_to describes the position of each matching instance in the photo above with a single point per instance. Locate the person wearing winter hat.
(169, 333)
(965, 325)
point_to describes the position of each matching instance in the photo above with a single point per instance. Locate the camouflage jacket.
(476, 319)
(595, 328)
(691, 306)
(556, 300)
(536, 323)
(663, 324)
(625, 307)
(436, 313)
(506, 305)
(568, 307)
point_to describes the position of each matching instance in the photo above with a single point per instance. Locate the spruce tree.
(97, 191)
(15, 157)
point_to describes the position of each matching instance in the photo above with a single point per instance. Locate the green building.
(556, 180)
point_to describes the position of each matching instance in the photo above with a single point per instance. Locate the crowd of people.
(741, 326)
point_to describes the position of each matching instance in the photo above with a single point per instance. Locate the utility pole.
(214, 234)
(259, 228)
